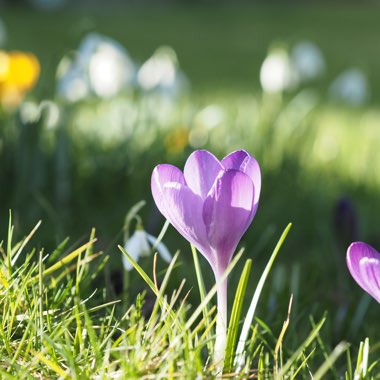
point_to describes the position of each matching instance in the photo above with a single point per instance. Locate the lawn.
(74, 312)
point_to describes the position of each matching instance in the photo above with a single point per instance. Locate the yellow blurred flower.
(177, 140)
(19, 72)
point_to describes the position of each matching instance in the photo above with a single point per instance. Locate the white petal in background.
(161, 73)
(351, 87)
(138, 246)
(110, 70)
(161, 248)
(308, 60)
(277, 73)
(31, 112)
(72, 82)
(101, 65)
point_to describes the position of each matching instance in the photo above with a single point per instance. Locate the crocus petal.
(183, 209)
(227, 213)
(161, 248)
(243, 161)
(370, 269)
(201, 170)
(162, 174)
(364, 265)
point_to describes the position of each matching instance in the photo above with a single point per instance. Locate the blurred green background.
(83, 158)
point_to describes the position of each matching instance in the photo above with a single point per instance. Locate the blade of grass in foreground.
(53, 366)
(132, 213)
(330, 360)
(207, 298)
(213, 290)
(235, 314)
(314, 333)
(278, 347)
(9, 244)
(202, 294)
(161, 292)
(24, 243)
(362, 362)
(71, 256)
(151, 284)
(324, 351)
(239, 355)
(160, 236)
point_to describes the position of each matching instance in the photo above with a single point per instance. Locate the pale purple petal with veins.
(227, 213)
(180, 206)
(162, 174)
(184, 211)
(363, 262)
(200, 172)
(243, 161)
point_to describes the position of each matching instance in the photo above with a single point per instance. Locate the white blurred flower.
(107, 71)
(29, 112)
(351, 87)
(101, 66)
(72, 81)
(210, 116)
(277, 73)
(140, 245)
(52, 113)
(206, 119)
(160, 72)
(307, 60)
(110, 68)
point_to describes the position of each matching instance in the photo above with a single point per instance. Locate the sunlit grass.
(56, 324)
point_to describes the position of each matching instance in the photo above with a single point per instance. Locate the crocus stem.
(221, 322)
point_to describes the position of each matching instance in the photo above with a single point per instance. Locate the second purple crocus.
(211, 203)
(363, 262)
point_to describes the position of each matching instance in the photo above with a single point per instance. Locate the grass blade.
(235, 314)
(71, 256)
(213, 290)
(330, 360)
(151, 284)
(314, 333)
(24, 243)
(53, 366)
(202, 294)
(239, 355)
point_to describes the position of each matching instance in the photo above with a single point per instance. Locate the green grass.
(220, 47)
(53, 325)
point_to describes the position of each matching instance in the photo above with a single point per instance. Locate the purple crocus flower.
(211, 204)
(363, 262)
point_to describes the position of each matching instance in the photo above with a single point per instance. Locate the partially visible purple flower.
(363, 262)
